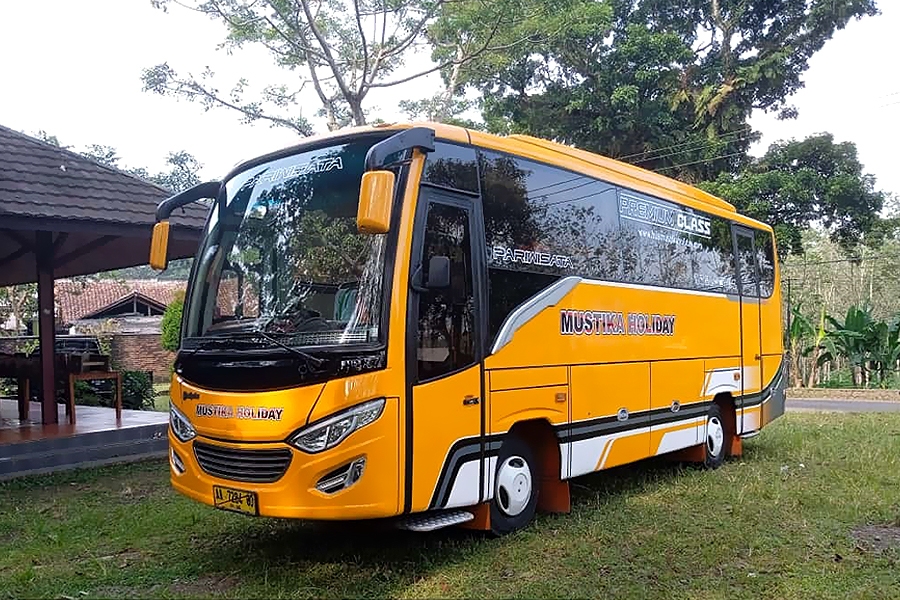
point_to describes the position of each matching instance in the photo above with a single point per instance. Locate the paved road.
(842, 405)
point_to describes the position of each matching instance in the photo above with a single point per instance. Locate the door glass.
(446, 332)
(747, 266)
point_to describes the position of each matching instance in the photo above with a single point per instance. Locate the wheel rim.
(514, 485)
(715, 436)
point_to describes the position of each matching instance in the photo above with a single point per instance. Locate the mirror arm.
(415, 137)
(210, 189)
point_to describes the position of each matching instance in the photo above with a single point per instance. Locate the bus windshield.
(282, 261)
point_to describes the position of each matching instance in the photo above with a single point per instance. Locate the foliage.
(19, 304)
(170, 327)
(342, 49)
(137, 390)
(869, 347)
(669, 85)
(798, 183)
(28, 346)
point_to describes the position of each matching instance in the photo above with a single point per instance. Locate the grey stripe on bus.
(578, 431)
(547, 297)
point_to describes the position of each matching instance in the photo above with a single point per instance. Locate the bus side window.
(747, 266)
(446, 331)
(766, 260)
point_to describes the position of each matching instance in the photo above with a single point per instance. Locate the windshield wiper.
(313, 359)
(246, 335)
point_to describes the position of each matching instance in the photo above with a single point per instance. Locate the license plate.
(234, 500)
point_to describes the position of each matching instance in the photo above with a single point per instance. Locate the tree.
(183, 168)
(18, 305)
(667, 84)
(170, 326)
(799, 183)
(343, 49)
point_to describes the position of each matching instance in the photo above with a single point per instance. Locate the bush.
(171, 324)
(137, 390)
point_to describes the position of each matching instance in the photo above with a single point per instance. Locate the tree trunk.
(811, 383)
(356, 111)
(796, 380)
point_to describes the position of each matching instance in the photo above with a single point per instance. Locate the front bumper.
(294, 494)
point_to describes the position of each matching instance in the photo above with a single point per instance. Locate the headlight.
(330, 432)
(180, 425)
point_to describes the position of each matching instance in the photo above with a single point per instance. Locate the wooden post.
(24, 390)
(47, 326)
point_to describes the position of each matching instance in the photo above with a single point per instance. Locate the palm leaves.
(871, 347)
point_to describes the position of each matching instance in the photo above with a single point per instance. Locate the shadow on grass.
(374, 558)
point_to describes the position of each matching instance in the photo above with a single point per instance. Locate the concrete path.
(829, 405)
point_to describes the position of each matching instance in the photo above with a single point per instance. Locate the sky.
(73, 69)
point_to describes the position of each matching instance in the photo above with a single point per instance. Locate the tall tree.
(18, 307)
(667, 84)
(343, 49)
(800, 183)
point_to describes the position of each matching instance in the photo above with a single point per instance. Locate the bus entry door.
(444, 467)
(751, 347)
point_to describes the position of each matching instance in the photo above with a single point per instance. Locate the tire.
(716, 438)
(516, 481)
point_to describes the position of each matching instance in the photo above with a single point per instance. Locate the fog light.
(177, 463)
(342, 477)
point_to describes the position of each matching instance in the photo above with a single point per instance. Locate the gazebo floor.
(29, 448)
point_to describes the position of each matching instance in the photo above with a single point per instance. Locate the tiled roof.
(76, 300)
(99, 218)
(41, 180)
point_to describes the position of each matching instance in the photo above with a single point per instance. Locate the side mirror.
(159, 246)
(376, 195)
(438, 272)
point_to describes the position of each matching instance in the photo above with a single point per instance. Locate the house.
(133, 306)
(128, 313)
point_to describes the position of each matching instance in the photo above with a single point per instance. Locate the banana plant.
(853, 339)
(800, 331)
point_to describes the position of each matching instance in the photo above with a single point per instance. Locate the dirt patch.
(208, 585)
(877, 538)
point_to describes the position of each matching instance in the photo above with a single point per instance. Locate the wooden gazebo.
(62, 215)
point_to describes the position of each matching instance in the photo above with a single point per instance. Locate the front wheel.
(515, 487)
(715, 438)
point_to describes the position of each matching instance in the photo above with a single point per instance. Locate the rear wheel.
(715, 438)
(515, 487)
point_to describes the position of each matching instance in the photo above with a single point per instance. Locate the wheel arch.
(540, 435)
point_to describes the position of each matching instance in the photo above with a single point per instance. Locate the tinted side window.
(747, 264)
(452, 166)
(541, 219)
(662, 241)
(446, 332)
(765, 257)
(714, 261)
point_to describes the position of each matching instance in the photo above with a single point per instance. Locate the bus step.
(435, 520)
(749, 434)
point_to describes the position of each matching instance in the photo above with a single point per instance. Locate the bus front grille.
(256, 466)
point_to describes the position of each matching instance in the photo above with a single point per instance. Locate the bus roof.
(462, 135)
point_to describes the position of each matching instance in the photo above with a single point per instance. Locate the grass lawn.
(161, 400)
(797, 517)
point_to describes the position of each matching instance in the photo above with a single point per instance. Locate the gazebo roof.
(102, 218)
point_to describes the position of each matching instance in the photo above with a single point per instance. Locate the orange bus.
(444, 327)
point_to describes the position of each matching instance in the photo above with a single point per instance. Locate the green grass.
(161, 400)
(776, 524)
